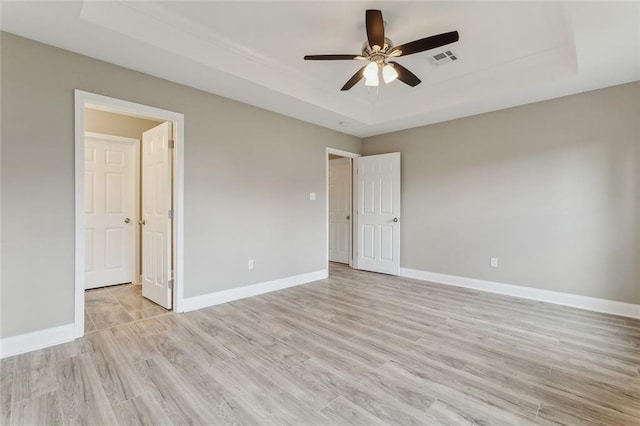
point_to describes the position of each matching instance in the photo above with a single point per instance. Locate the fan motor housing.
(368, 52)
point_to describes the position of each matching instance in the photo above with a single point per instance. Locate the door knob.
(395, 219)
(127, 220)
(348, 217)
(141, 222)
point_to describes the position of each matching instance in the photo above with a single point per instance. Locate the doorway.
(363, 221)
(340, 216)
(137, 238)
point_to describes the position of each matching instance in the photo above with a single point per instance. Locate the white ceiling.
(510, 53)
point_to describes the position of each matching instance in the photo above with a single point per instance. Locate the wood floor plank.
(553, 351)
(343, 412)
(206, 350)
(340, 346)
(447, 341)
(118, 376)
(251, 324)
(283, 409)
(473, 413)
(6, 388)
(262, 390)
(621, 342)
(315, 393)
(367, 395)
(317, 352)
(371, 318)
(451, 384)
(591, 399)
(391, 314)
(334, 301)
(142, 410)
(187, 367)
(43, 409)
(237, 345)
(237, 413)
(383, 346)
(180, 402)
(82, 398)
(34, 375)
(419, 398)
(572, 413)
(137, 349)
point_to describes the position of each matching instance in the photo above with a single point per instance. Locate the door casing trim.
(83, 100)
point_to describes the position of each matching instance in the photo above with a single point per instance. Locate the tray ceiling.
(510, 53)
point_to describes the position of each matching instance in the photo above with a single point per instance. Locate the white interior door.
(109, 210)
(156, 213)
(378, 213)
(340, 209)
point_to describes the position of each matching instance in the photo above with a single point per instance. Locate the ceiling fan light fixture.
(377, 49)
(389, 73)
(372, 82)
(371, 71)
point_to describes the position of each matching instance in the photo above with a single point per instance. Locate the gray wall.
(109, 123)
(551, 189)
(248, 174)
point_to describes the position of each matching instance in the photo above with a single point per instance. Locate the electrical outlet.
(250, 264)
(312, 196)
(494, 262)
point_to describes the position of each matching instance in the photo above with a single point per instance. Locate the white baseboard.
(224, 296)
(35, 340)
(558, 298)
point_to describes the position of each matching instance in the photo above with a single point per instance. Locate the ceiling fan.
(378, 49)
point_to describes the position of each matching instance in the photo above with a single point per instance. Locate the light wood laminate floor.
(357, 348)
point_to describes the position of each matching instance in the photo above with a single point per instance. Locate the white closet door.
(156, 206)
(109, 210)
(378, 213)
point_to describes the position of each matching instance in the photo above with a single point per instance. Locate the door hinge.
(171, 143)
(170, 214)
(170, 283)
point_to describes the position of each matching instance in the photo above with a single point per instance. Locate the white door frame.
(346, 154)
(91, 100)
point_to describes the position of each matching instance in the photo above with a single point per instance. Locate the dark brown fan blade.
(426, 43)
(406, 76)
(329, 57)
(375, 28)
(353, 80)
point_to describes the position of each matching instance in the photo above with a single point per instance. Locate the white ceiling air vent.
(443, 57)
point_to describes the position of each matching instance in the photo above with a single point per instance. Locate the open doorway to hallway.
(340, 215)
(128, 212)
(363, 210)
(114, 219)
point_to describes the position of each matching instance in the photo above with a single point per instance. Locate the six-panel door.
(156, 204)
(378, 213)
(109, 206)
